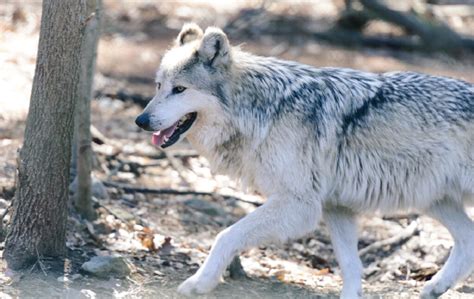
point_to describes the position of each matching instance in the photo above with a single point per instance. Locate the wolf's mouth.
(170, 136)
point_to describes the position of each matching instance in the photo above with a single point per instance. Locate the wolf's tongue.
(159, 137)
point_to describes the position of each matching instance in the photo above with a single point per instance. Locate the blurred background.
(165, 235)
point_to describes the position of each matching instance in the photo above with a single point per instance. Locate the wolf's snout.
(143, 121)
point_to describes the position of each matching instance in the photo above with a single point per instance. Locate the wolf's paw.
(197, 284)
(432, 290)
(353, 293)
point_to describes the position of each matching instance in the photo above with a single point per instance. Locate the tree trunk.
(83, 196)
(40, 206)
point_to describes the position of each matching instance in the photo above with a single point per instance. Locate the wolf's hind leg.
(343, 230)
(461, 259)
(278, 220)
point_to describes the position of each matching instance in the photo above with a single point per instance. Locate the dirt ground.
(165, 237)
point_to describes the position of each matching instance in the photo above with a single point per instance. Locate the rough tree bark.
(83, 148)
(39, 217)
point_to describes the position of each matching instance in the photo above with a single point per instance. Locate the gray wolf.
(319, 144)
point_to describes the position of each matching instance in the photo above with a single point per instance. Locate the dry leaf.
(147, 242)
(324, 271)
(280, 275)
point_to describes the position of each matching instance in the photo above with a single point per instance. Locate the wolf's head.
(189, 84)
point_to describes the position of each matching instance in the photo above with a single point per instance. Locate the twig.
(400, 217)
(97, 136)
(108, 210)
(90, 229)
(407, 232)
(39, 262)
(124, 96)
(87, 20)
(177, 166)
(155, 155)
(129, 189)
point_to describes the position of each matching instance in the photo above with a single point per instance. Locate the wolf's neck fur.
(266, 89)
(217, 138)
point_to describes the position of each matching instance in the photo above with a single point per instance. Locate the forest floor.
(164, 237)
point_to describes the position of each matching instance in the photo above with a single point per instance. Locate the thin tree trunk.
(83, 196)
(40, 206)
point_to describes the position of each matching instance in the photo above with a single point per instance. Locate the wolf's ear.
(189, 32)
(215, 48)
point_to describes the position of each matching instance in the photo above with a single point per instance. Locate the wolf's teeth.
(182, 120)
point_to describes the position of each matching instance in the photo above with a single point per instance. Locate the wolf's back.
(420, 101)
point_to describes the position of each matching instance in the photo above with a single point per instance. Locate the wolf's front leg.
(278, 220)
(342, 226)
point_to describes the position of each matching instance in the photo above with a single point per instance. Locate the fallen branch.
(167, 191)
(435, 36)
(157, 155)
(124, 96)
(421, 35)
(406, 233)
(398, 217)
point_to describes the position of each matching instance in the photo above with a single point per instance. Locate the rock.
(76, 276)
(122, 214)
(62, 279)
(205, 207)
(4, 204)
(158, 273)
(129, 200)
(140, 197)
(107, 266)
(102, 228)
(88, 293)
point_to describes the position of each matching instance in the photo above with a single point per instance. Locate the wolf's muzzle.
(143, 121)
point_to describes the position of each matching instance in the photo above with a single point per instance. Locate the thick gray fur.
(323, 143)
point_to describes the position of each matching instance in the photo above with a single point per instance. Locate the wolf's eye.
(158, 86)
(178, 89)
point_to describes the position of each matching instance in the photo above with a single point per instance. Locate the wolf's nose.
(143, 121)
